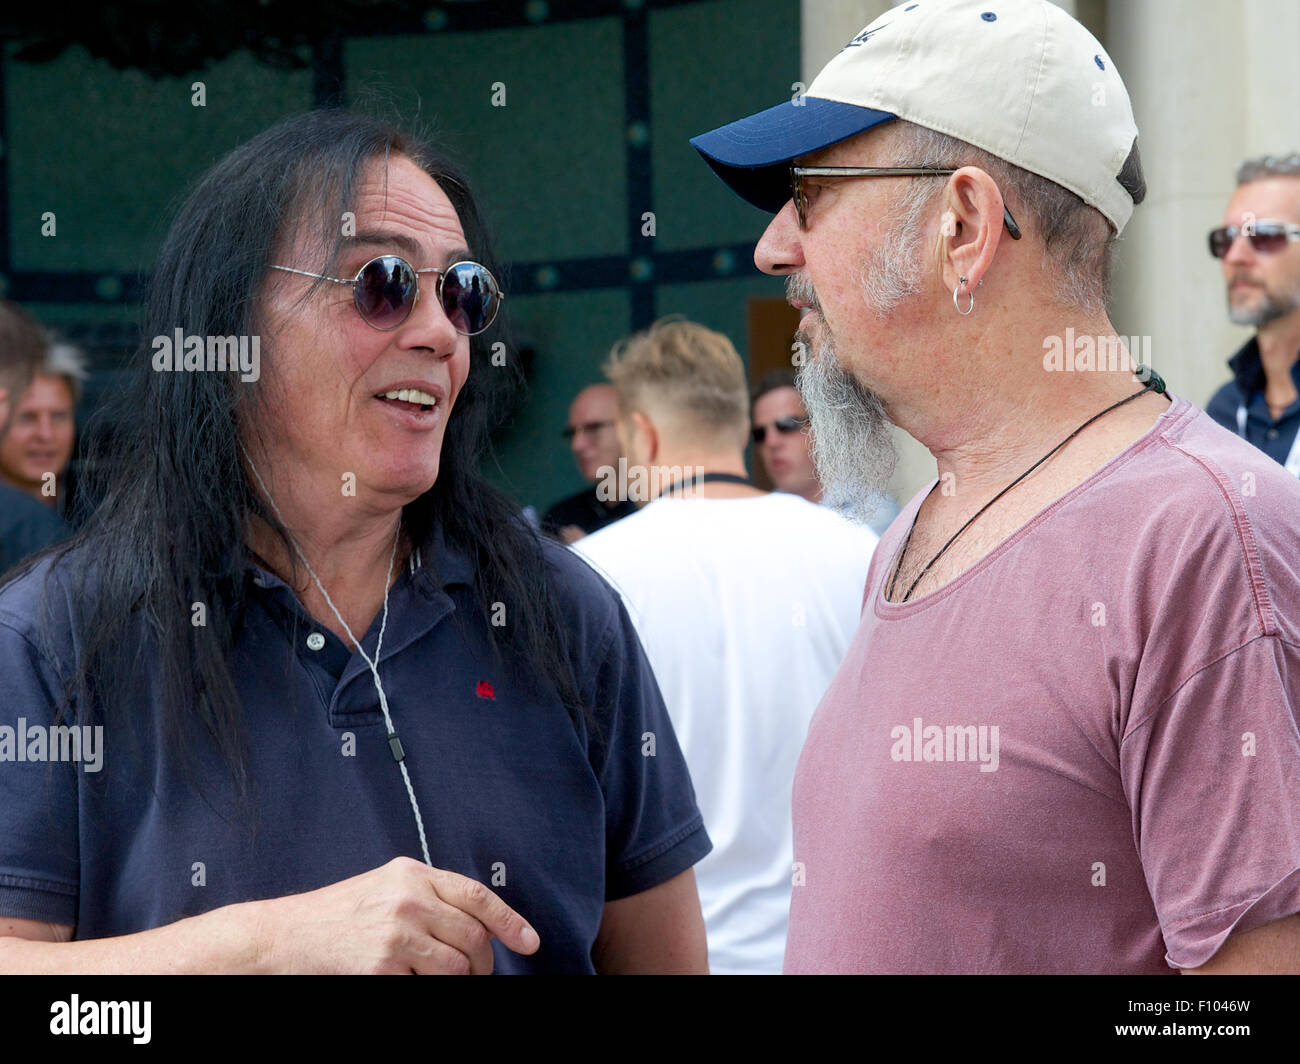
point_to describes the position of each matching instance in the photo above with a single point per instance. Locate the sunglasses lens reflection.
(385, 292)
(470, 297)
(1268, 240)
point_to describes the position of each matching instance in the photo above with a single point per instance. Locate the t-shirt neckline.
(886, 610)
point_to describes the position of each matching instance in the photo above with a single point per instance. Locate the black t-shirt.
(26, 526)
(586, 511)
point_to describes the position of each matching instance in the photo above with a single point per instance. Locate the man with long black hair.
(310, 697)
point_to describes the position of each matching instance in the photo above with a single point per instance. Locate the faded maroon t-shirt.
(1082, 754)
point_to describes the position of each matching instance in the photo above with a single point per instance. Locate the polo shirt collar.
(443, 564)
(437, 563)
(1248, 370)
(438, 567)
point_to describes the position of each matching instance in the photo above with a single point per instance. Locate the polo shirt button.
(1272, 434)
(315, 641)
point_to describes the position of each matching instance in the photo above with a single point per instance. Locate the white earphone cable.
(394, 743)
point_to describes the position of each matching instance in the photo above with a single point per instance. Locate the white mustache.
(800, 290)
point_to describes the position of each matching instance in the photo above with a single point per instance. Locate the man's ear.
(645, 437)
(971, 228)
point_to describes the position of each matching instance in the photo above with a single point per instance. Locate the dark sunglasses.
(783, 425)
(386, 288)
(1267, 237)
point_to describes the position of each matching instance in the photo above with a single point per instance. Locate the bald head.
(591, 431)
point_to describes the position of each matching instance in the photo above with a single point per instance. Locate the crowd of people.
(359, 714)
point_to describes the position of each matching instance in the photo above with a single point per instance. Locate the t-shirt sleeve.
(1213, 781)
(38, 798)
(653, 827)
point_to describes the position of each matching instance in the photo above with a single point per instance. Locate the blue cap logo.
(864, 36)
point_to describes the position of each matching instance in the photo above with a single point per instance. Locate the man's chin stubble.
(1264, 312)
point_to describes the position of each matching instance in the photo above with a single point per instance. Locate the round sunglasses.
(387, 287)
(1267, 237)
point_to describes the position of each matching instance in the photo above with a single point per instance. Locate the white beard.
(852, 447)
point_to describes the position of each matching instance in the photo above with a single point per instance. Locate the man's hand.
(401, 918)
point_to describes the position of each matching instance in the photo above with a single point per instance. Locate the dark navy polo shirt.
(1273, 436)
(26, 526)
(558, 815)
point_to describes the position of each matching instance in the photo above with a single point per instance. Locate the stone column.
(1212, 82)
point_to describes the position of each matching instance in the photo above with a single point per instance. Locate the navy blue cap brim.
(752, 155)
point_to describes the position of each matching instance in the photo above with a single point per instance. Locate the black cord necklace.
(706, 478)
(1154, 383)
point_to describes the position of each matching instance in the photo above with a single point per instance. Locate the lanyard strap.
(1292, 462)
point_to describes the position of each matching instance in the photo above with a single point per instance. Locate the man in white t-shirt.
(745, 600)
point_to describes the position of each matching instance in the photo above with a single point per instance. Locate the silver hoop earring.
(957, 305)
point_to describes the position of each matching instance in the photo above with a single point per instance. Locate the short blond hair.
(687, 374)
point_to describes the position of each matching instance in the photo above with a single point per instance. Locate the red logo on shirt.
(484, 690)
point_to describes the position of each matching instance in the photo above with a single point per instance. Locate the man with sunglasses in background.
(1064, 737)
(784, 444)
(594, 443)
(1259, 245)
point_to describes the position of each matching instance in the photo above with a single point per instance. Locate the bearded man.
(1259, 246)
(1064, 738)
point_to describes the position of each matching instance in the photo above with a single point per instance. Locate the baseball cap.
(1019, 78)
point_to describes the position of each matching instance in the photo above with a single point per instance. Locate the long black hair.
(176, 503)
